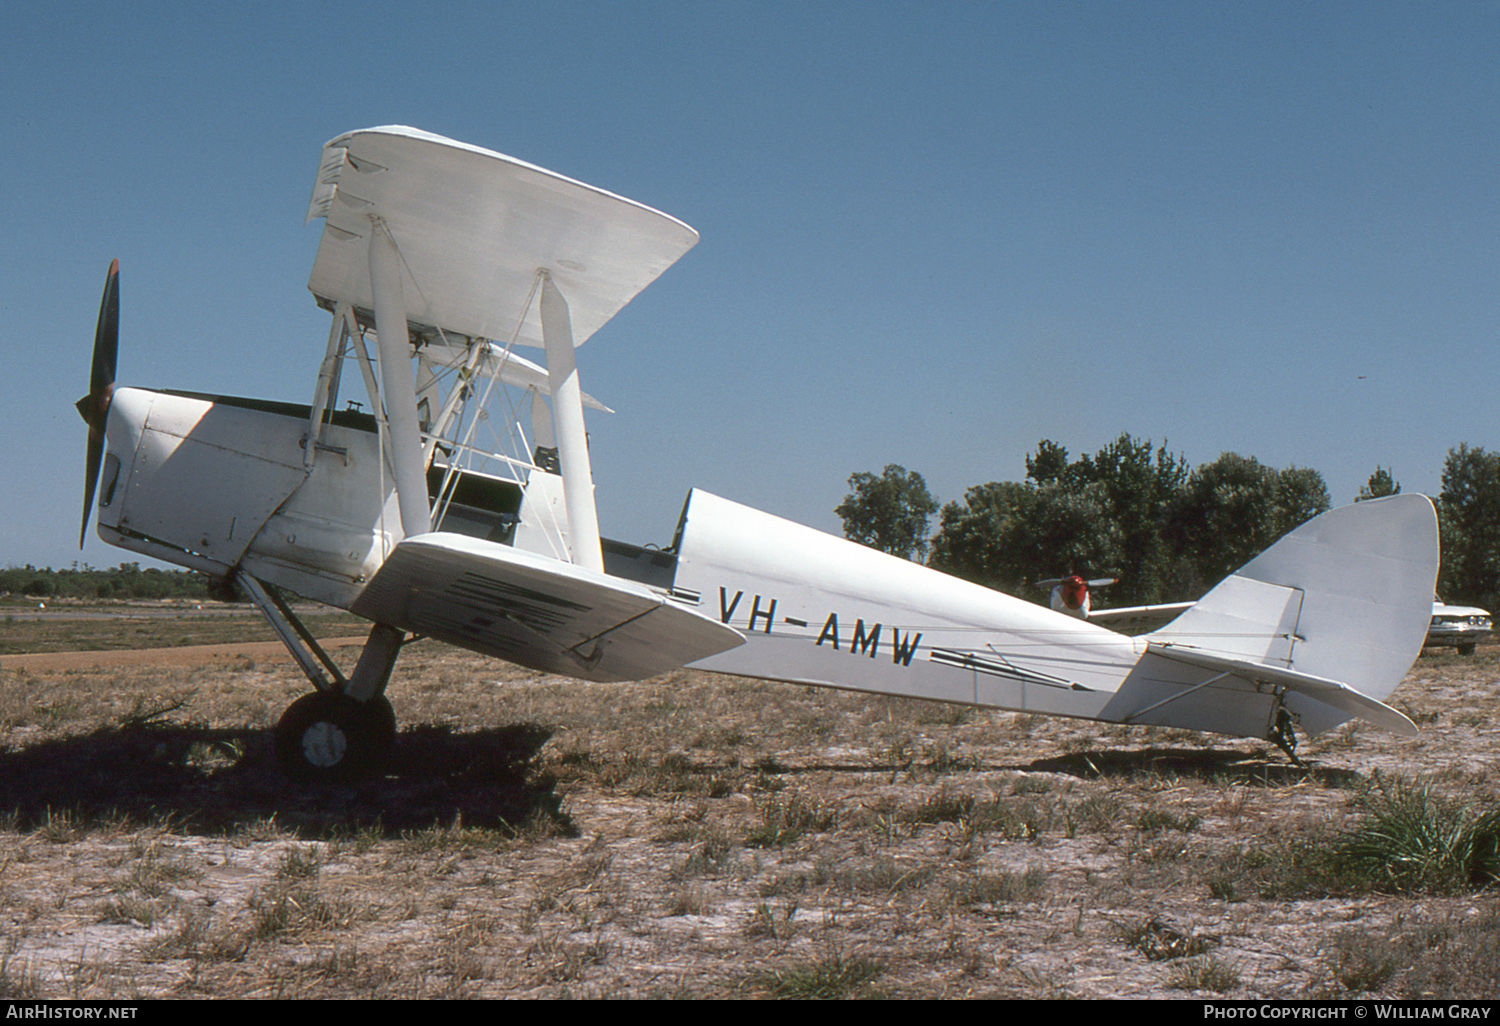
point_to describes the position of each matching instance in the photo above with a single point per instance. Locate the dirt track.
(181, 655)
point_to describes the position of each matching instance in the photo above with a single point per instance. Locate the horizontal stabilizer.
(536, 611)
(1321, 689)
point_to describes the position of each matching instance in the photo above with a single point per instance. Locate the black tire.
(1466, 650)
(382, 720)
(327, 736)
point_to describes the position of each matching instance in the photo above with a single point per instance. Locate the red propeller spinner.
(1071, 594)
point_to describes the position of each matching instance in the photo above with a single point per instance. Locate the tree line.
(81, 581)
(1136, 511)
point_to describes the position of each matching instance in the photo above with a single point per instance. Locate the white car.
(1460, 627)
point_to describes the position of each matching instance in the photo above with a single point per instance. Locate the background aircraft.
(1073, 596)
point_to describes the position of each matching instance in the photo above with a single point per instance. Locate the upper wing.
(536, 611)
(473, 228)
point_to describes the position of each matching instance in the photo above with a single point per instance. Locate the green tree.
(1049, 465)
(1008, 535)
(1381, 484)
(889, 512)
(1469, 516)
(1132, 509)
(1099, 514)
(971, 534)
(1139, 485)
(1230, 510)
(126, 581)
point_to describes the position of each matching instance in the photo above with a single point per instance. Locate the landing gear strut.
(346, 728)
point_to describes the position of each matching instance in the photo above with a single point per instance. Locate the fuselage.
(825, 611)
(229, 487)
(222, 484)
(214, 483)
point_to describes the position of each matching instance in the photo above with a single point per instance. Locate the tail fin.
(1345, 597)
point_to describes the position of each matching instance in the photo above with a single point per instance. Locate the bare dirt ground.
(699, 836)
(181, 655)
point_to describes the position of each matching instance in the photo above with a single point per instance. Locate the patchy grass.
(1160, 942)
(1001, 888)
(1413, 839)
(785, 818)
(19, 981)
(1406, 838)
(832, 976)
(1208, 973)
(1361, 963)
(696, 836)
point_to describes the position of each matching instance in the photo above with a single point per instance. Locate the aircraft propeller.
(94, 407)
(1071, 594)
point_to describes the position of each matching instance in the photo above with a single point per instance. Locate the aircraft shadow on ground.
(223, 781)
(1210, 765)
(1228, 765)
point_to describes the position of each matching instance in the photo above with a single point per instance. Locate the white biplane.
(453, 511)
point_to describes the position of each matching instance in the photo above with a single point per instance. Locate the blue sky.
(931, 234)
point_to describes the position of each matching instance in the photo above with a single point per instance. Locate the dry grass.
(697, 836)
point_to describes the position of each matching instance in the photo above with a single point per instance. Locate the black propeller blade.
(94, 407)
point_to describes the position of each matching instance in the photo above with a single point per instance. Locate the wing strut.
(572, 441)
(326, 393)
(392, 337)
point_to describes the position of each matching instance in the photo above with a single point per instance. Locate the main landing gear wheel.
(328, 736)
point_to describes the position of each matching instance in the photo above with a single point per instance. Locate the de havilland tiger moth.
(461, 506)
